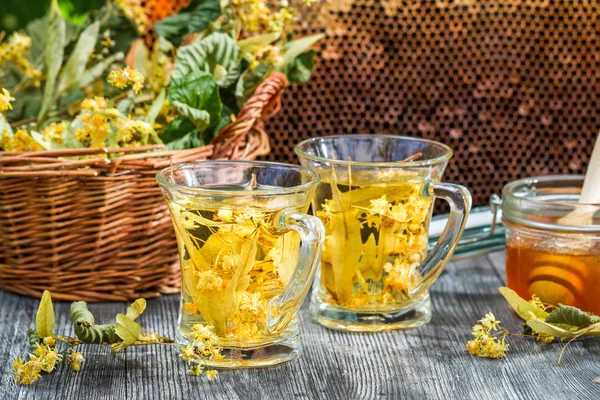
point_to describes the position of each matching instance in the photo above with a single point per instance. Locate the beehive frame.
(511, 85)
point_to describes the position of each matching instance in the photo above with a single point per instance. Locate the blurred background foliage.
(15, 14)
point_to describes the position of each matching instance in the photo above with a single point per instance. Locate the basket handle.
(264, 103)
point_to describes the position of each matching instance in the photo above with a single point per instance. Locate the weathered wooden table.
(428, 362)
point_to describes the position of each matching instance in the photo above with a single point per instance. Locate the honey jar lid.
(550, 203)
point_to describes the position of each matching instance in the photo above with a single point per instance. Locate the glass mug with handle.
(248, 254)
(375, 199)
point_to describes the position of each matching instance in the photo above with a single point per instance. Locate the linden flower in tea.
(374, 234)
(233, 266)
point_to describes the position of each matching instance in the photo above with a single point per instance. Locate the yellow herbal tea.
(233, 264)
(374, 233)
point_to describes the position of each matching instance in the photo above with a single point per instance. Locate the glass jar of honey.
(552, 241)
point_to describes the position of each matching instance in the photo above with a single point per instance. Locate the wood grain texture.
(424, 363)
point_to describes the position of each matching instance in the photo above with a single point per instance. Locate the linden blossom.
(125, 332)
(393, 219)
(235, 267)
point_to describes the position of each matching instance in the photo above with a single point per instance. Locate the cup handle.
(311, 230)
(459, 199)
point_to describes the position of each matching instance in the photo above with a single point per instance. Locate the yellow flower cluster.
(44, 359)
(488, 338)
(55, 132)
(98, 120)
(75, 358)
(374, 235)
(127, 76)
(14, 51)
(20, 141)
(134, 11)
(237, 265)
(159, 70)
(5, 99)
(257, 16)
(205, 346)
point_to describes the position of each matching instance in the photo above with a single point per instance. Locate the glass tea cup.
(375, 199)
(248, 253)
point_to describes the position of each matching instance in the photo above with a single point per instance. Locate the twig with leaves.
(547, 323)
(47, 348)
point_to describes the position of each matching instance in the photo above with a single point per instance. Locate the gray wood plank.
(428, 362)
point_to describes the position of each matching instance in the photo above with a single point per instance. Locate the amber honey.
(557, 274)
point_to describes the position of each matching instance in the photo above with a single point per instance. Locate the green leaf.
(38, 137)
(70, 140)
(201, 118)
(225, 120)
(122, 30)
(156, 106)
(73, 69)
(300, 69)
(86, 329)
(38, 31)
(44, 319)
(526, 310)
(249, 81)
(196, 96)
(181, 133)
(128, 330)
(136, 309)
(76, 11)
(294, 48)
(570, 316)
(28, 105)
(125, 106)
(217, 49)
(552, 330)
(195, 18)
(98, 69)
(251, 44)
(53, 56)
(33, 339)
(4, 125)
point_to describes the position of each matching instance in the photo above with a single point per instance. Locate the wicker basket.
(96, 229)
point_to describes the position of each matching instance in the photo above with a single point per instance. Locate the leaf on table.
(136, 309)
(71, 74)
(196, 96)
(53, 56)
(569, 316)
(128, 330)
(218, 54)
(33, 339)
(86, 329)
(556, 331)
(195, 18)
(523, 308)
(44, 319)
